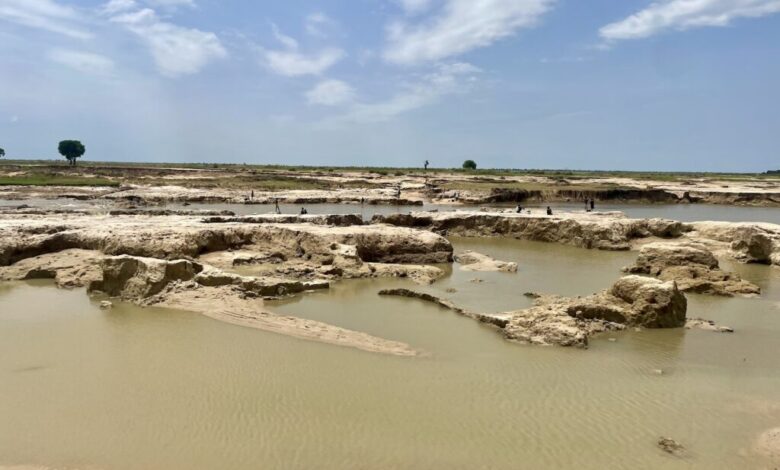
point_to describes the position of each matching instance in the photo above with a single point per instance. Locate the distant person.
(252, 194)
(304, 211)
(276, 206)
(426, 164)
(519, 209)
(592, 204)
(549, 210)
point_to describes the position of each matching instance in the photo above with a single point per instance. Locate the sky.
(672, 85)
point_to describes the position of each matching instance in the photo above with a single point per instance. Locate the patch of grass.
(42, 180)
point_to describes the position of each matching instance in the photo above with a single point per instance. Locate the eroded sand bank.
(191, 262)
(154, 251)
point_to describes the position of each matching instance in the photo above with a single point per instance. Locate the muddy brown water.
(681, 212)
(134, 388)
(365, 210)
(103, 205)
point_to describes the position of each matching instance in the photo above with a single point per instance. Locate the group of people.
(590, 205)
(519, 210)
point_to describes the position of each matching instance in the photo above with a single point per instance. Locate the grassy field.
(54, 180)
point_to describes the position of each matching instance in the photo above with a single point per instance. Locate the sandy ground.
(158, 185)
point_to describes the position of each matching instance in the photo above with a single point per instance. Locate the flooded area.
(137, 388)
(681, 212)
(102, 205)
(365, 210)
(389, 235)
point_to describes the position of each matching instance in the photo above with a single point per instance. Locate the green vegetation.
(2, 152)
(54, 180)
(469, 165)
(71, 149)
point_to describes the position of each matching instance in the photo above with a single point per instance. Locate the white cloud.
(176, 50)
(295, 64)
(460, 26)
(118, 6)
(85, 62)
(330, 93)
(172, 3)
(686, 14)
(319, 25)
(287, 41)
(291, 62)
(447, 79)
(43, 14)
(113, 7)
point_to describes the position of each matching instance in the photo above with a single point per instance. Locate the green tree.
(71, 149)
(469, 165)
(2, 152)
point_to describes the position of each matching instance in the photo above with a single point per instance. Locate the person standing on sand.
(252, 195)
(276, 206)
(549, 210)
(592, 204)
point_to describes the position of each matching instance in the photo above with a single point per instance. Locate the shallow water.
(103, 205)
(681, 212)
(135, 388)
(58, 204)
(365, 210)
(688, 212)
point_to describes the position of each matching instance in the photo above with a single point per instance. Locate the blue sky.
(597, 84)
